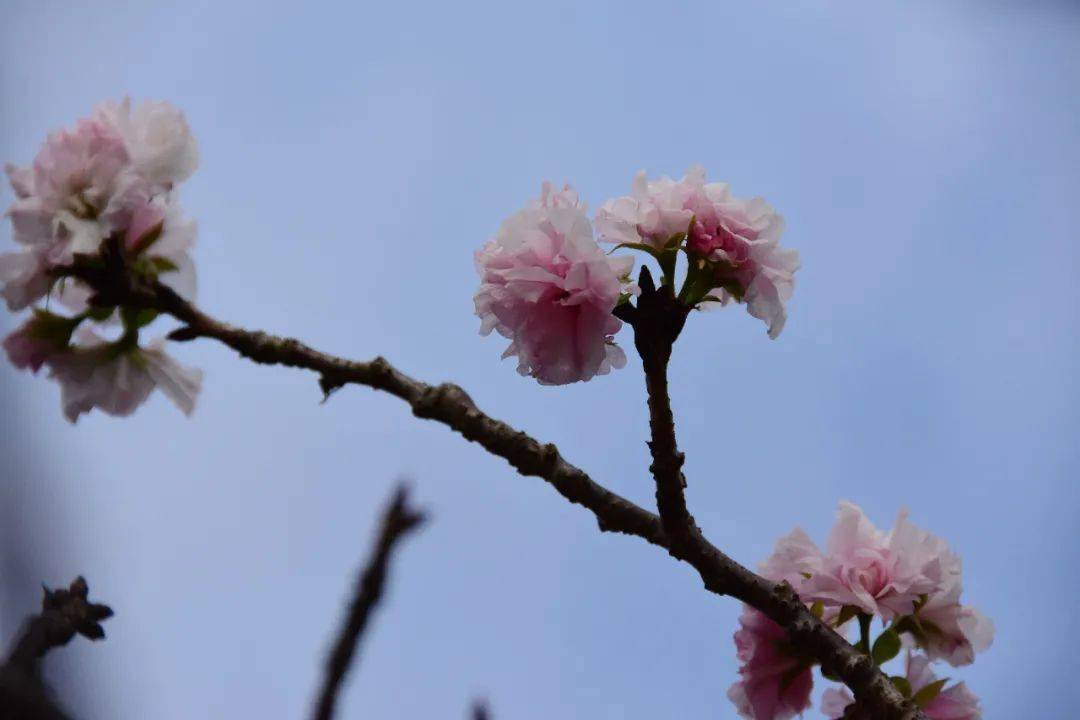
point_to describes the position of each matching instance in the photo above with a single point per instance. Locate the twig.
(657, 320)
(64, 613)
(398, 520)
(450, 405)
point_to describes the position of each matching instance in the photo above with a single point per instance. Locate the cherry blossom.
(548, 287)
(774, 680)
(117, 377)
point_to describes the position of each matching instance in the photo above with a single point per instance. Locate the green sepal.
(53, 328)
(675, 241)
(100, 314)
(846, 613)
(698, 283)
(643, 247)
(886, 647)
(901, 683)
(136, 318)
(667, 260)
(927, 693)
(148, 238)
(817, 609)
(163, 264)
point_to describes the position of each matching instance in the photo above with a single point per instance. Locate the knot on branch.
(549, 459)
(436, 398)
(380, 366)
(330, 383)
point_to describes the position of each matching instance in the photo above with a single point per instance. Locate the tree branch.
(64, 613)
(398, 520)
(657, 321)
(480, 711)
(450, 405)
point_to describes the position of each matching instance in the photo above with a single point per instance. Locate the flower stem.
(864, 632)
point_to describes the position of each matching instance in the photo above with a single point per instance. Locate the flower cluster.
(546, 285)
(907, 578)
(732, 244)
(106, 186)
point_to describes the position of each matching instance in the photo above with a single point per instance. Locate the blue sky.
(926, 158)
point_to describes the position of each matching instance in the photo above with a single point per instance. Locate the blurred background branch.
(398, 520)
(64, 613)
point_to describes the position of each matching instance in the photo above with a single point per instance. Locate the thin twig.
(398, 520)
(657, 321)
(450, 405)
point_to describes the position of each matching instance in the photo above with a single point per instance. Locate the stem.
(667, 462)
(657, 321)
(864, 632)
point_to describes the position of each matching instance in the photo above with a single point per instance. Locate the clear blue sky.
(926, 156)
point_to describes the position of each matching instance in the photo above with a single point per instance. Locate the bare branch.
(398, 520)
(450, 405)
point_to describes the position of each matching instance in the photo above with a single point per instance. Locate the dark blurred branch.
(64, 613)
(398, 520)
(450, 405)
(480, 711)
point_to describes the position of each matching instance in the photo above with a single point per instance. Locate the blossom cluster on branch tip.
(907, 578)
(107, 185)
(546, 285)
(733, 245)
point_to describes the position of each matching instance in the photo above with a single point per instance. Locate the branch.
(657, 320)
(64, 613)
(450, 405)
(480, 711)
(398, 520)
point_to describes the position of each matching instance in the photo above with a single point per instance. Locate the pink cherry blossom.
(110, 173)
(25, 277)
(880, 574)
(652, 214)
(835, 701)
(64, 204)
(952, 703)
(173, 236)
(117, 380)
(775, 682)
(156, 135)
(949, 631)
(37, 340)
(738, 239)
(547, 286)
(174, 243)
(794, 558)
